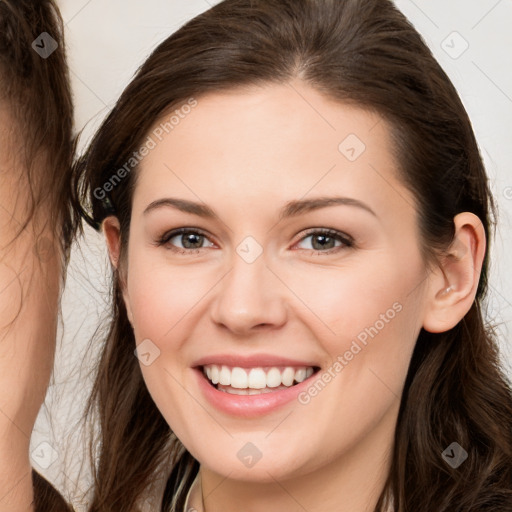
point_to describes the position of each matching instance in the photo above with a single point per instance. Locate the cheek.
(367, 319)
(160, 298)
(346, 301)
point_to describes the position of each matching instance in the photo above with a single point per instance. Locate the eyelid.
(346, 239)
(164, 239)
(326, 231)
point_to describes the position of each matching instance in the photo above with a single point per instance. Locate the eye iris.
(193, 238)
(324, 241)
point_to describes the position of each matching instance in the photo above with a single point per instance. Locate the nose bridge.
(249, 295)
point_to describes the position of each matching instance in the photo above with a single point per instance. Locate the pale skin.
(246, 153)
(29, 291)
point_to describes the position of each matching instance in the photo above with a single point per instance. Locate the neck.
(16, 490)
(351, 482)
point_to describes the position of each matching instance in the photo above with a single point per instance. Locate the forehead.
(281, 141)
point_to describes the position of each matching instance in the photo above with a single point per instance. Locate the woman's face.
(256, 294)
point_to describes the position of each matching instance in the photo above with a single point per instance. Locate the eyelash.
(346, 240)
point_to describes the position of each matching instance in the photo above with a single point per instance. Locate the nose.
(249, 298)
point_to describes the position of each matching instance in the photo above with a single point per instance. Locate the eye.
(191, 239)
(324, 240)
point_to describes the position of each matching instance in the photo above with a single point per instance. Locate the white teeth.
(225, 376)
(289, 375)
(215, 374)
(300, 374)
(248, 391)
(255, 380)
(238, 378)
(273, 378)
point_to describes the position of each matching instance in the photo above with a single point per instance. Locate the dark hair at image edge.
(368, 54)
(36, 94)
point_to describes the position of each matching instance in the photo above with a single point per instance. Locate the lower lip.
(249, 405)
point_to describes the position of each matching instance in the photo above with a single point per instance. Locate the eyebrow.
(290, 209)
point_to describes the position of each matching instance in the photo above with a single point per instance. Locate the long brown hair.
(36, 90)
(366, 53)
(35, 93)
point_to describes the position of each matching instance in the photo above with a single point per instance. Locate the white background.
(107, 41)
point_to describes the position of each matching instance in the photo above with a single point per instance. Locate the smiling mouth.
(255, 381)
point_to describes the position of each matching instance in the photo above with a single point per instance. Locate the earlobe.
(452, 287)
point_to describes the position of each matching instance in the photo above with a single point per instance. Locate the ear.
(112, 231)
(452, 287)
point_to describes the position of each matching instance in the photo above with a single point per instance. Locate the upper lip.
(251, 361)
